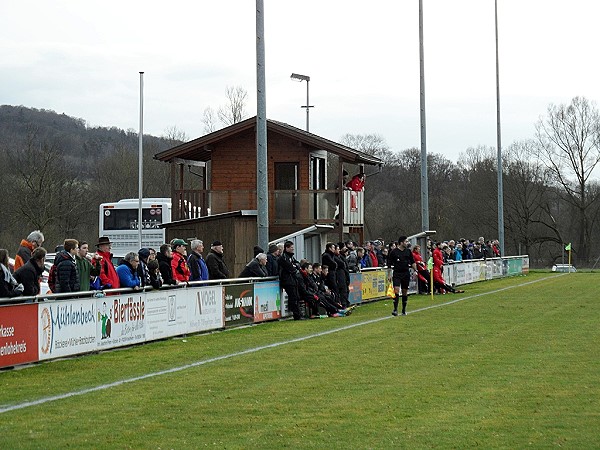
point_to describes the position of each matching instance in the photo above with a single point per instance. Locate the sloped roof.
(200, 149)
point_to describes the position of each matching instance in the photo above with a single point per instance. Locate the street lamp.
(296, 76)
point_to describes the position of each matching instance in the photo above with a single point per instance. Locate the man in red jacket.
(181, 271)
(108, 274)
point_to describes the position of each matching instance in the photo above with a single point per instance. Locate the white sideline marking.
(102, 387)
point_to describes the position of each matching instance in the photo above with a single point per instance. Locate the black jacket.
(164, 266)
(29, 276)
(342, 273)
(272, 267)
(254, 270)
(67, 275)
(289, 269)
(217, 269)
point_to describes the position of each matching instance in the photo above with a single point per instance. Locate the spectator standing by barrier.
(438, 256)
(164, 257)
(217, 269)
(127, 271)
(477, 252)
(108, 274)
(370, 250)
(155, 278)
(87, 267)
(342, 274)
(181, 271)
(289, 277)
(458, 254)
(34, 240)
(196, 263)
(363, 259)
(328, 259)
(142, 269)
(352, 258)
(67, 277)
(401, 259)
(496, 248)
(9, 287)
(256, 268)
(424, 276)
(272, 256)
(30, 273)
(378, 249)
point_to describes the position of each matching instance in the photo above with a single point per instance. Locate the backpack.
(52, 278)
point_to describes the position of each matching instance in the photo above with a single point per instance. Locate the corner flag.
(568, 247)
(430, 263)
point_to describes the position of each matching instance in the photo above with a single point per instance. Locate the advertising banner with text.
(204, 308)
(267, 301)
(121, 320)
(374, 284)
(166, 314)
(239, 304)
(355, 288)
(18, 334)
(67, 327)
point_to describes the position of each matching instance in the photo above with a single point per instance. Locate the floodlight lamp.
(296, 76)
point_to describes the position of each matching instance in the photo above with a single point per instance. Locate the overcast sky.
(82, 58)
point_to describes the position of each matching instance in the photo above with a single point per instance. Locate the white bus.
(119, 221)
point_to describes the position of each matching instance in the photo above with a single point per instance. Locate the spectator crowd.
(314, 289)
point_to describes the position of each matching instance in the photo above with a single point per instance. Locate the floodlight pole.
(500, 188)
(424, 180)
(140, 159)
(262, 187)
(296, 76)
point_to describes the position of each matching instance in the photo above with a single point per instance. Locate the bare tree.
(569, 143)
(529, 201)
(209, 119)
(174, 136)
(372, 144)
(235, 110)
(48, 192)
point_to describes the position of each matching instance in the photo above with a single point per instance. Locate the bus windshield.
(127, 219)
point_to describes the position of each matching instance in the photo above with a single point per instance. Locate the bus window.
(127, 219)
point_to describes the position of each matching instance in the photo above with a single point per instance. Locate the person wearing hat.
(217, 269)
(142, 268)
(272, 256)
(108, 274)
(181, 271)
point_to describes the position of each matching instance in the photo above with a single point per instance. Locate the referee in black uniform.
(401, 260)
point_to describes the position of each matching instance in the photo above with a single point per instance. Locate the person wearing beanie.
(142, 268)
(272, 256)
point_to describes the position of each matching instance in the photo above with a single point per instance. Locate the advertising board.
(18, 334)
(67, 327)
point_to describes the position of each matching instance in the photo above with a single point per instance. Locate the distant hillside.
(56, 171)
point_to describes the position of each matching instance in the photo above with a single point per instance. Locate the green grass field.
(514, 365)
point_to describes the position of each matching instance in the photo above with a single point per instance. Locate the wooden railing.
(285, 206)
